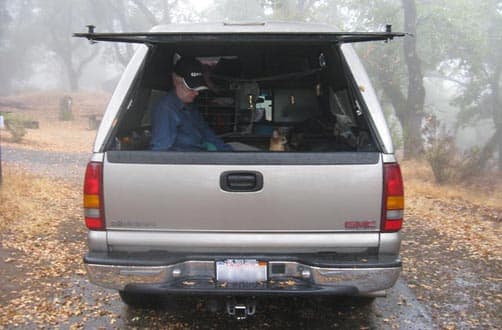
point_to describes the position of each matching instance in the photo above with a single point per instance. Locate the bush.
(440, 150)
(475, 161)
(16, 127)
(446, 163)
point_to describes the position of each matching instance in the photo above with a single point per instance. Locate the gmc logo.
(360, 224)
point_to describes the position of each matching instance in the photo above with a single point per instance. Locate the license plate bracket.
(241, 270)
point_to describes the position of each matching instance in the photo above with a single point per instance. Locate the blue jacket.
(180, 127)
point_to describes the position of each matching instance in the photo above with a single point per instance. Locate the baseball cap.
(190, 69)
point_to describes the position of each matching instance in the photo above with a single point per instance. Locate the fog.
(454, 55)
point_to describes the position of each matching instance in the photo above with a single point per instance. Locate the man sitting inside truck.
(177, 125)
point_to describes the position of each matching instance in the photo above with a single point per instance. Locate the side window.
(133, 131)
(351, 127)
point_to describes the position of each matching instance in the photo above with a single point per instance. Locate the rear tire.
(140, 300)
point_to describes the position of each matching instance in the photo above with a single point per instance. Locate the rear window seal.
(242, 158)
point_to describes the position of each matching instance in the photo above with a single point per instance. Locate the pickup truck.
(309, 201)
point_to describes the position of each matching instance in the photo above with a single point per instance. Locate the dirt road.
(62, 165)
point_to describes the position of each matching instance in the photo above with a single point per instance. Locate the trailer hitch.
(241, 310)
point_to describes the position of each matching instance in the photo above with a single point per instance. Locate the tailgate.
(160, 195)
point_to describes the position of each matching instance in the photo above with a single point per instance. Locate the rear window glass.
(260, 99)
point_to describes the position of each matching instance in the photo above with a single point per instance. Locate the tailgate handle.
(241, 181)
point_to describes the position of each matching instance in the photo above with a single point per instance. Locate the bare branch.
(86, 60)
(148, 14)
(446, 78)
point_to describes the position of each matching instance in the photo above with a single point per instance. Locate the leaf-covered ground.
(452, 249)
(42, 242)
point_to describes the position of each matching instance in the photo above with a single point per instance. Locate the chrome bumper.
(199, 276)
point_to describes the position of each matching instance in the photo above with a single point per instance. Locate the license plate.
(241, 270)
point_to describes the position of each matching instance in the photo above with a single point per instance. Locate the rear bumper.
(283, 277)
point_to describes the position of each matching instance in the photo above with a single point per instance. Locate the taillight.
(93, 197)
(393, 198)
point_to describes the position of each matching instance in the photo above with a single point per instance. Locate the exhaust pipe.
(375, 294)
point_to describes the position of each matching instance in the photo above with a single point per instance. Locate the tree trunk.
(413, 145)
(148, 14)
(498, 138)
(71, 73)
(497, 112)
(73, 78)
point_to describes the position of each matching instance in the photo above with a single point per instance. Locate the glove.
(209, 146)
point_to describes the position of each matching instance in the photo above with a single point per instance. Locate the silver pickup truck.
(308, 202)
